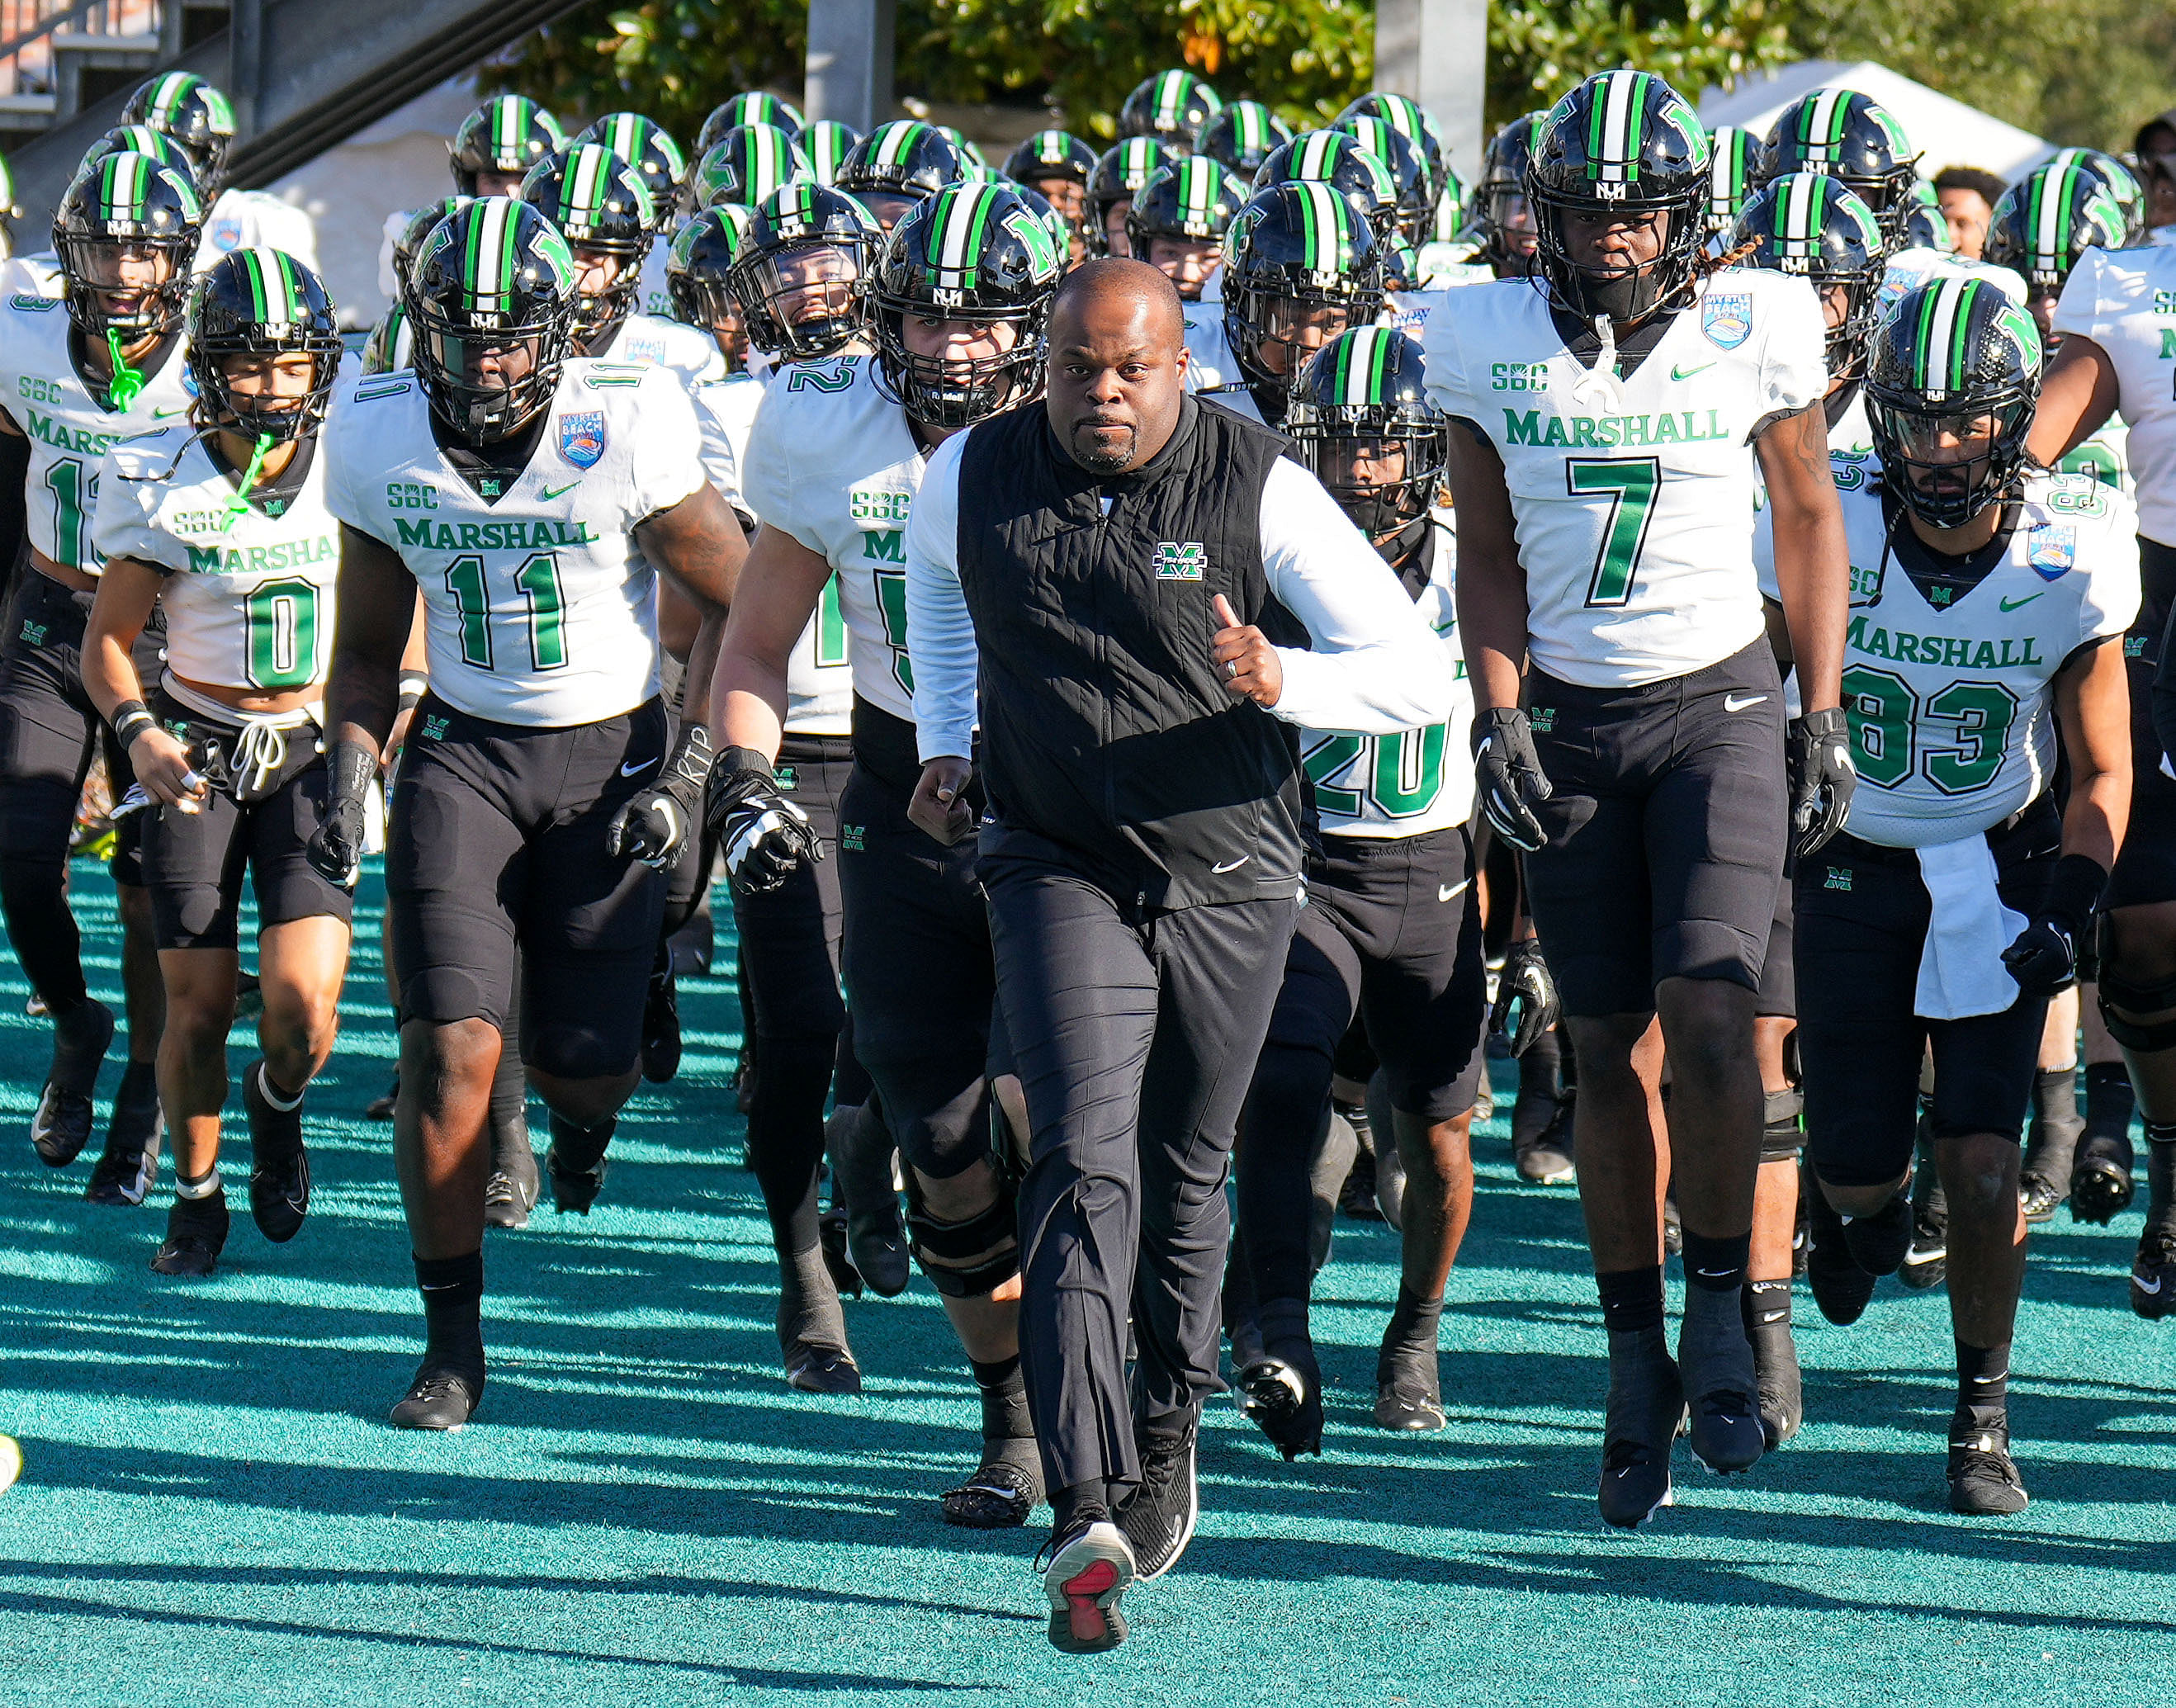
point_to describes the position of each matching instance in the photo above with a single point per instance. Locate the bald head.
(1118, 364)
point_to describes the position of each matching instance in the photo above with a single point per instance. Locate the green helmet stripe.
(1821, 122)
(253, 279)
(168, 94)
(899, 142)
(1170, 97)
(1403, 115)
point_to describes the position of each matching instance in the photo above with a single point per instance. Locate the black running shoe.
(1715, 1363)
(438, 1399)
(1983, 1479)
(1159, 1519)
(196, 1234)
(859, 1145)
(60, 1127)
(574, 1190)
(1282, 1392)
(2100, 1183)
(381, 1108)
(1839, 1286)
(2153, 1274)
(511, 1192)
(1927, 1263)
(1646, 1404)
(1004, 1490)
(1408, 1391)
(1086, 1568)
(280, 1162)
(816, 1369)
(1878, 1243)
(2051, 1143)
(661, 1024)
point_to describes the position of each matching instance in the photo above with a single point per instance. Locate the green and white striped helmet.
(1119, 177)
(1049, 154)
(1336, 158)
(132, 199)
(193, 116)
(1849, 136)
(904, 159)
(1815, 227)
(601, 207)
(1295, 245)
(827, 143)
(1369, 383)
(262, 302)
(1242, 136)
(1171, 107)
(646, 146)
(2046, 221)
(1415, 173)
(796, 276)
(1733, 153)
(747, 165)
(1191, 201)
(1949, 356)
(752, 106)
(2122, 184)
(508, 134)
(494, 274)
(971, 253)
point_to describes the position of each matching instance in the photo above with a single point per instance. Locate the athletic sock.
(2110, 1101)
(580, 1149)
(1717, 1265)
(286, 1102)
(205, 1185)
(2160, 1174)
(1983, 1388)
(1085, 1503)
(1412, 1333)
(1631, 1298)
(453, 1315)
(1767, 1305)
(808, 1310)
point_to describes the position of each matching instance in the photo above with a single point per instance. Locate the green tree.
(1540, 49)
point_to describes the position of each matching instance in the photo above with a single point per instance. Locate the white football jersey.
(539, 608)
(37, 274)
(253, 220)
(1393, 786)
(1633, 497)
(1907, 269)
(1211, 362)
(819, 683)
(1952, 714)
(653, 293)
(1852, 465)
(2124, 300)
(2106, 456)
(249, 597)
(70, 431)
(648, 341)
(832, 462)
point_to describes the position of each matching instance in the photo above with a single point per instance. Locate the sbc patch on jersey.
(2052, 548)
(1726, 318)
(1179, 562)
(582, 437)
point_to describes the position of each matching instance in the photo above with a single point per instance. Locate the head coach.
(1139, 593)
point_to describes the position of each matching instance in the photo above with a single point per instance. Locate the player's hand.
(335, 848)
(2044, 958)
(764, 836)
(162, 766)
(1818, 756)
(940, 807)
(1508, 772)
(1526, 1004)
(655, 823)
(1244, 659)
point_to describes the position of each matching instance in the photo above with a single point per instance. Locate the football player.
(896, 165)
(1112, 186)
(1985, 602)
(199, 120)
(1391, 932)
(645, 144)
(957, 309)
(531, 498)
(220, 523)
(1057, 164)
(1177, 221)
(1170, 108)
(1630, 724)
(1503, 216)
(103, 361)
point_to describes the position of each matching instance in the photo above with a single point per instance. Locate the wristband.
(731, 759)
(130, 718)
(412, 690)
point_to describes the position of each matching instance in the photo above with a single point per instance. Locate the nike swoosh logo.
(551, 492)
(2012, 604)
(1732, 702)
(1444, 892)
(1683, 373)
(2144, 1285)
(161, 414)
(1233, 865)
(1713, 1274)
(639, 765)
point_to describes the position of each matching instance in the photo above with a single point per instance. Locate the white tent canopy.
(1948, 132)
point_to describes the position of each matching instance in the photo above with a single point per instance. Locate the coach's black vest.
(1105, 729)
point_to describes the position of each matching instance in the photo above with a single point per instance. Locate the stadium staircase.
(303, 74)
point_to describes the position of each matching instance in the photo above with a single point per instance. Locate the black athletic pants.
(789, 942)
(1135, 1036)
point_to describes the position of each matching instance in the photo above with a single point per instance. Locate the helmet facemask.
(1626, 293)
(804, 301)
(947, 393)
(1923, 450)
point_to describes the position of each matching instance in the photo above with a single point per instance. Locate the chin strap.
(237, 507)
(127, 384)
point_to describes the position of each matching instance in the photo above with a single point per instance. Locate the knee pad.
(2116, 990)
(575, 1052)
(966, 1259)
(1781, 1136)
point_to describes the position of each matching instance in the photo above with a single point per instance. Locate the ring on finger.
(1231, 669)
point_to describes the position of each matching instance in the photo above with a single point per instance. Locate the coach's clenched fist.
(1245, 659)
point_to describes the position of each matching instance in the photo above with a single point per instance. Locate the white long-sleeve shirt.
(1375, 668)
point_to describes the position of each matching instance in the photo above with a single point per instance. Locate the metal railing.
(27, 29)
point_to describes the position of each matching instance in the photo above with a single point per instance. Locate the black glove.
(653, 824)
(1509, 775)
(763, 835)
(1525, 985)
(1817, 753)
(335, 848)
(2044, 959)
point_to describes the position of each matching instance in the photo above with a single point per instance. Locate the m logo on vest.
(1175, 561)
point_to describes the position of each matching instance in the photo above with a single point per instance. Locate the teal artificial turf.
(213, 1511)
